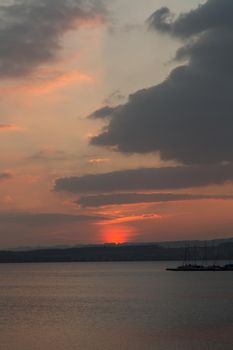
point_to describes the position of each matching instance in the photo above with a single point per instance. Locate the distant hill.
(196, 243)
(192, 250)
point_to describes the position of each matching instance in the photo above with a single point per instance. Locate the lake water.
(114, 306)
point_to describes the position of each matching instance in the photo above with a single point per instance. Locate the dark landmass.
(123, 252)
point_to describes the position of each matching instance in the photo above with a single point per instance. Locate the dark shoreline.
(118, 253)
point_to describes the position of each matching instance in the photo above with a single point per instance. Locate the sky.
(116, 121)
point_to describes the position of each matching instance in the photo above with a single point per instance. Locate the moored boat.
(190, 267)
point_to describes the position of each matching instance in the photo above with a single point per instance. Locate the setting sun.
(117, 234)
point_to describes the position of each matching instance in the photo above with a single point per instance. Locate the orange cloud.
(48, 82)
(131, 218)
(58, 82)
(9, 127)
(97, 161)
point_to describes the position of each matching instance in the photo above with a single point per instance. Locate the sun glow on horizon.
(117, 234)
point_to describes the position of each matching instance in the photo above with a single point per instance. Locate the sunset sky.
(116, 121)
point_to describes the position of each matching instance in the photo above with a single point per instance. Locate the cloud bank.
(135, 198)
(148, 179)
(31, 30)
(189, 116)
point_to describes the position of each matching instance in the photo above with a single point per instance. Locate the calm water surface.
(114, 306)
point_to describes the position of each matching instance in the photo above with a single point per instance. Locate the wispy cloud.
(46, 81)
(131, 218)
(41, 219)
(51, 154)
(59, 81)
(5, 176)
(97, 161)
(9, 128)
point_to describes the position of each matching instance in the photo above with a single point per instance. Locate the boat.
(228, 267)
(188, 266)
(191, 267)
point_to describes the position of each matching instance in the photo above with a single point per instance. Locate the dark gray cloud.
(134, 198)
(103, 112)
(189, 116)
(44, 218)
(31, 30)
(148, 179)
(114, 97)
(211, 15)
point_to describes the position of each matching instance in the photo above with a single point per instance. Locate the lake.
(114, 306)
